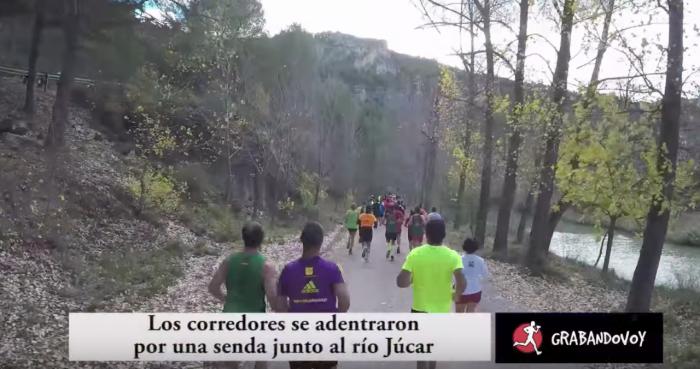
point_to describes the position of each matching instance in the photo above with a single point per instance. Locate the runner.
(378, 211)
(249, 278)
(399, 215)
(434, 214)
(382, 210)
(430, 270)
(474, 271)
(351, 219)
(366, 221)
(416, 228)
(392, 230)
(312, 284)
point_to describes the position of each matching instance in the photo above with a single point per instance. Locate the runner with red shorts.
(416, 228)
(474, 271)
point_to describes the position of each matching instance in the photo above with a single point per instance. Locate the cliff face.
(371, 68)
(366, 55)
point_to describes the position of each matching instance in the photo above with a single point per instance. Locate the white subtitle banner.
(279, 337)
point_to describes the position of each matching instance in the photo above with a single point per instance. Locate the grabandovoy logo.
(527, 338)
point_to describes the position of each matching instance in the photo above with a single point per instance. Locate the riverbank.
(684, 231)
(570, 286)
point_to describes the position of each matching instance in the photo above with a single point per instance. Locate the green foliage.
(157, 192)
(602, 168)
(217, 221)
(307, 188)
(463, 163)
(448, 110)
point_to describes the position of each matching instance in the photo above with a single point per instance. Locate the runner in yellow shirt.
(431, 268)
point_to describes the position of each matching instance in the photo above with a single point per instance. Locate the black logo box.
(551, 323)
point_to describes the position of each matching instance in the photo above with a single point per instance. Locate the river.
(579, 242)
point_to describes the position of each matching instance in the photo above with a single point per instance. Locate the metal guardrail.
(52, 77)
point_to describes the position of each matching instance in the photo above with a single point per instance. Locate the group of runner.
(391, 213)
(309, 284)
(439, 277)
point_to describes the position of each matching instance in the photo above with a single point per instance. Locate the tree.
(537, 245)
(37, 30)
(481, 15)
(469, 63)
(639, 298)
(588, 104)
(336, 116)
(442, 115)
(500, 245)
(71, 30)
(486, 11)
(82, 19)
(608, 178)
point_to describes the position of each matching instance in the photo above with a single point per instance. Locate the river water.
(579, 242)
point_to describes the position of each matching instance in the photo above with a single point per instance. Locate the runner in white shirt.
(474, 271)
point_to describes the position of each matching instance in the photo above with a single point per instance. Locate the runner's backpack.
(416, 228)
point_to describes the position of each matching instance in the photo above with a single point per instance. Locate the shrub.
(307, 189)
(156, 192)
(224, 227)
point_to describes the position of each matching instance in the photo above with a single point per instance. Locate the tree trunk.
(257, 195)
(600, 250)
(552, 223)
(485, 190)
(527, 210)
(538, 236)
(460, 197)
(37, 31)
(500, 245)
(59, 119)
(608, 248)
(469, 66)
(431, 141)
(142, 190)
(591, 90)
(602, 48)
(639, 299)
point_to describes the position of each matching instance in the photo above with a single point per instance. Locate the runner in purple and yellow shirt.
(312, 284)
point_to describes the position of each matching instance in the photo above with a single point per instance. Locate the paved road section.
(373, 289)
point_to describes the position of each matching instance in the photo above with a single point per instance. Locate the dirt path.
(373, 289)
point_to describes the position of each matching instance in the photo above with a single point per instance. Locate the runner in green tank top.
(351, 223)
(249, 279)
(245, 291)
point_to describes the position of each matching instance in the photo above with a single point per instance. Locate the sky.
(399, 23)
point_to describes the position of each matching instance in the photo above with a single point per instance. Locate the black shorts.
(391, 236)
(366, 234)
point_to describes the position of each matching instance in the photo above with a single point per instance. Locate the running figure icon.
(533, 340)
